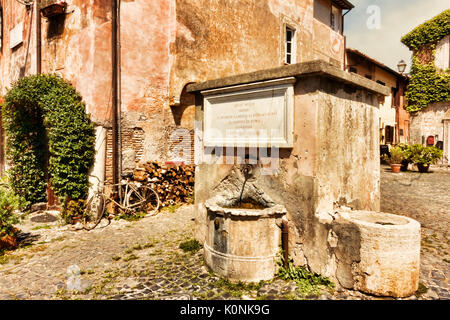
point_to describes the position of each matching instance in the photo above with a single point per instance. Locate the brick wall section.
(132, 138)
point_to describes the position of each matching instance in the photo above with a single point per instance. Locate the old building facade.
(430, 120)
(161, 46)
(394, 120)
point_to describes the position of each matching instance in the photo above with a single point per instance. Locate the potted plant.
(407, 156)
(396, 158)
(9, 203)
(423, 157)
(73, 210)
(50, 8)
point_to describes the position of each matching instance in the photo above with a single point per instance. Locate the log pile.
(174, 182)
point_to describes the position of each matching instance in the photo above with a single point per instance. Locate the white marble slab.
(254, 115)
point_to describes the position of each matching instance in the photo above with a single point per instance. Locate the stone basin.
(242, 244)
(389, 253)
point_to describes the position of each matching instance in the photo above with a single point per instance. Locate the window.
(389, 134)
(381, 82)
(353, 69)
(290, 46)
(335, 22)
(443, 54)
(368, 76)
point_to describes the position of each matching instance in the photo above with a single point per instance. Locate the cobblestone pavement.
(142, 259)
(425, 198)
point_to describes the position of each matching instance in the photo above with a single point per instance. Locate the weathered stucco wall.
(165, 45)
(15, 62)
(432, 121)
(215, 39)
(428, 122)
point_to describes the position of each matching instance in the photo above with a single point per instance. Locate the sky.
(375, 27)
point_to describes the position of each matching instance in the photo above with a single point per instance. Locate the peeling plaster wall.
(165, 44)
(77, 46)
(216, 39)
(432, 121)
(16, 62)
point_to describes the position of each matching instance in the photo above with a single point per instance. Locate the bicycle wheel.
(94, 211)
(143, 200)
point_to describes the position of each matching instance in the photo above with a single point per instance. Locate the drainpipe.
(285, 241)
(115, 92)
(38, 38)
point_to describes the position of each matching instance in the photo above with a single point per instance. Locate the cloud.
(397, 18)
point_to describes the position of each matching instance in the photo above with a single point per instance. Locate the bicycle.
(129, 198)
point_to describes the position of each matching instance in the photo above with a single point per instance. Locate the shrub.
(397, 155)
(424, 155)
(9, 203)
(49, 138)
(73, 209)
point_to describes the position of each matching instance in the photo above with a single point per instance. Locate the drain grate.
(44, 218)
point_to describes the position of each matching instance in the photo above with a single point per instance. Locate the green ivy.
(426, 86)
(431, 31)
(49, 138)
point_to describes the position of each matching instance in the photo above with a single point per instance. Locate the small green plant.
(9, 203)
(171, 208)
(239, 288)
(73, 209)
(397, 155)
(191, 246)
(308, 283)
(422, 290)
(45, 226)
(131, 217)
(130, 257)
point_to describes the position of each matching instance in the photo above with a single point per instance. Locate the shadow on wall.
(187, 100)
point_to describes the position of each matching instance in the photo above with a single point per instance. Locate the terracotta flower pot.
(396, 167)
(8, 242)
(76, 219)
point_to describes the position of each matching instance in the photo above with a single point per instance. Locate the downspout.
(119, 92)
(115, 92)
(38, 38)
(285, 241)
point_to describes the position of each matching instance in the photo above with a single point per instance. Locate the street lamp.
(401, 66)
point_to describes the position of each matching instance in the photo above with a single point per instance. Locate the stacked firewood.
(174, 182)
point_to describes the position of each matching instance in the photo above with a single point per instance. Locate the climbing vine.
(427, 84)
(49, 138)
(431, 31)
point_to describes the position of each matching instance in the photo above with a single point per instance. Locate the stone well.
(384, 252)
(242, 244)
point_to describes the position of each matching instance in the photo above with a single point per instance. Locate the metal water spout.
(247, 170)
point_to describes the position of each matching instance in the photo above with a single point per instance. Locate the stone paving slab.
(142, 259)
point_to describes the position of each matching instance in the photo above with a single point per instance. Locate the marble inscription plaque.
(250, 116)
